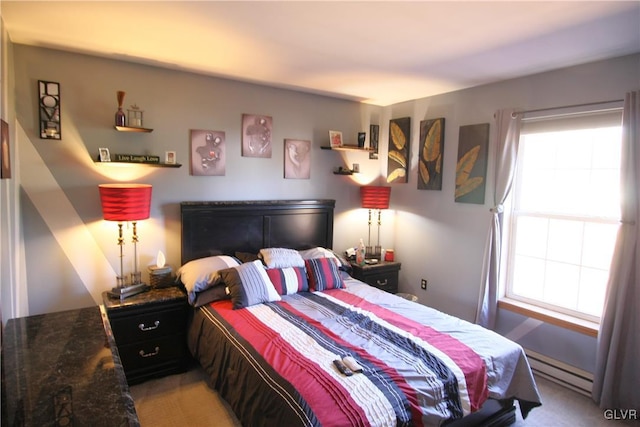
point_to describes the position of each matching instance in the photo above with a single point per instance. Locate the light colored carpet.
(181, 400)
(187, 400)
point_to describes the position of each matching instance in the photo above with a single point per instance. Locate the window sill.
(565, 321)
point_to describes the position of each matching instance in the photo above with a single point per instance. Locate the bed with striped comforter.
(273, 362)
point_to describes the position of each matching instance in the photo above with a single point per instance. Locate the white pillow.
(202, 273)
(320, 252)
(317, 252)
(281, 258)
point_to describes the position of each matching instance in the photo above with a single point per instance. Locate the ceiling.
(380, 52)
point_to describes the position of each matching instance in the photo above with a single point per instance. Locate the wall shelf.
(342, 171)
(156, 165)
(132, 129)
(347, 148)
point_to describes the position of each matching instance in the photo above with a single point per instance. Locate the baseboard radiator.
(566, 375)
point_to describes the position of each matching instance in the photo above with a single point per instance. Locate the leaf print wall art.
(398, 157)
(471, 169)
(430, 154)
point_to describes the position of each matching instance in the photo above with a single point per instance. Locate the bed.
(272, 356)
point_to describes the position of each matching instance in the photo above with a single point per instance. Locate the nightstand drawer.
(146, 326)
(382, 275)
(151, 353)
(385, 281)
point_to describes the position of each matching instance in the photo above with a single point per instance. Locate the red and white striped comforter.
(413, 374)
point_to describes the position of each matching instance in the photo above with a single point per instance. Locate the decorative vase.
(120, 116)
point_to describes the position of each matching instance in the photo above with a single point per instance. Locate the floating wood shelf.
(347, 148)
(132, 129)
(343, 172)
(157, 165)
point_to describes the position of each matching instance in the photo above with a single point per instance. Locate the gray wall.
(60, 179)
(71, 255)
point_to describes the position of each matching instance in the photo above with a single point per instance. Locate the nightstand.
(383, 275)
(150, 331)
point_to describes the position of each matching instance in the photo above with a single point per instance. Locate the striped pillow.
(281, 258)
(323, 274)
(289, 280)
(249, 284)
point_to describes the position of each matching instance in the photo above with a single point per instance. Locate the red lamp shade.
(125, 202)
(375, 197)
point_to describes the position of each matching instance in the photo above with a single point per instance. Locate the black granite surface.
(59, 369)
(151, 296)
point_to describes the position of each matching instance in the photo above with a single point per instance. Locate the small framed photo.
(104, 155)
(335, 137)
(170, 157)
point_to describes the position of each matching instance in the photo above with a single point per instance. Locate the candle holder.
(135, 116)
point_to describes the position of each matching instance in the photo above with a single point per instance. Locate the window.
(565, 213)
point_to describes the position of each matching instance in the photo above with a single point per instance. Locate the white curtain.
(508, 136)
(617, 377)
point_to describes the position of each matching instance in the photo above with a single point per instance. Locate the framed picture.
(208, 148)
(170, 157)
(335, 138)
(374, 132)
(256, 135)
(471, 167)
(398, 157)
(5, 154)
(49, 107)
(430, 154)
(104, 155)
(297, 159)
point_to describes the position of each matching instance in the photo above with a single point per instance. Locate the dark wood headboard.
(212, 228)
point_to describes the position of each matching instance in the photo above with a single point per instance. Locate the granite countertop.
(60, 369)
(150, 296)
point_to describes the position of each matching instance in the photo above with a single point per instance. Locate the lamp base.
(136, 278)
(121, 282)
(374, 252)
(127, 291)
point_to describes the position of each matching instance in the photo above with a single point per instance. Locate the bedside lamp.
(375, 197)
(126, 202)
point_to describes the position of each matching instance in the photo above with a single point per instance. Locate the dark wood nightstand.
(150, 330)
(383, 275)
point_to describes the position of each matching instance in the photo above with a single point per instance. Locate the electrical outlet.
(423, 284)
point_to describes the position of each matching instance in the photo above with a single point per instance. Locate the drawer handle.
(382, 283)
(155, 353)
(149, 328)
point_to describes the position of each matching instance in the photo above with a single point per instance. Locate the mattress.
(274, 362)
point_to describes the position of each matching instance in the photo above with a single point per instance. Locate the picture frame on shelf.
(170, 157)
(335, 138)
(105, 156)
